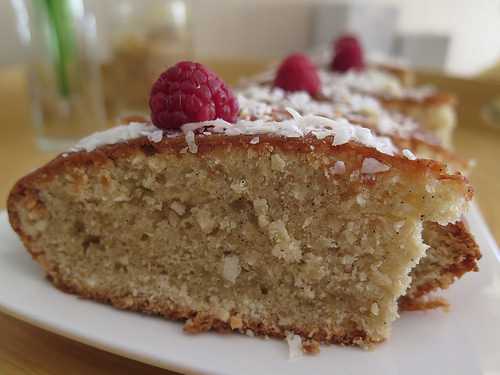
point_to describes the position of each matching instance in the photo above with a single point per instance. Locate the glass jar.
(64, 73)
(145, 38)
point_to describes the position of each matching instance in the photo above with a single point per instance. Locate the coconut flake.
(371, 166)
(254, 140)
(191, 142)
(409, 155)
(341, 130)
(121, 133)
(296, 115)
(156, 136)
(294, 346)
(338, 168)
(260, 101)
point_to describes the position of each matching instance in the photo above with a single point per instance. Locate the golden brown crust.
(408, 304)
(310, 346)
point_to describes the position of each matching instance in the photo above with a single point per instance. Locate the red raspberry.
(189, 92)
(345, 40)
(298, 73)
(348, 54)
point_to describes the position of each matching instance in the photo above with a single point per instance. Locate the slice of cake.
(308, 226)
(434, 110)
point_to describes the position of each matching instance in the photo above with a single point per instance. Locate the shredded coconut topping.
(373, 81)
(259, 101)
(341, 130)
(320, 127)
(369, 81)
(118, 134)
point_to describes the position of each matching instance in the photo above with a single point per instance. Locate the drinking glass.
(64, 71)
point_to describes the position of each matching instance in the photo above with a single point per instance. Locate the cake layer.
(246, 230)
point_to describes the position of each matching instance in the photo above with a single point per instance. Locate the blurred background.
(462, 34)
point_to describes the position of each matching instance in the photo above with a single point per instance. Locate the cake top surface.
(297, 126)
(373, 81)
(264, 101)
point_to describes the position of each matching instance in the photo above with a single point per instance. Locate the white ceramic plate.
(465, 340)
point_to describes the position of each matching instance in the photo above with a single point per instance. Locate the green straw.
(61, 38)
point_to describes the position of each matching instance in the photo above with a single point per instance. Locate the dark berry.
(348, 54)
(345, 40)
(189, 92)
(298, 73)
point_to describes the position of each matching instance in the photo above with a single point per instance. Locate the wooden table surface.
(25, 349)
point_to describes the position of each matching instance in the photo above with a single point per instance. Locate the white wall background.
(262, 29)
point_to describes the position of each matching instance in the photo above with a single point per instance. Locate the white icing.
(341, 130)
(371, 166)
(118, 134)
(254, 140)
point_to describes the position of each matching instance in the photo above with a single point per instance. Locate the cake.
(303, 226)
